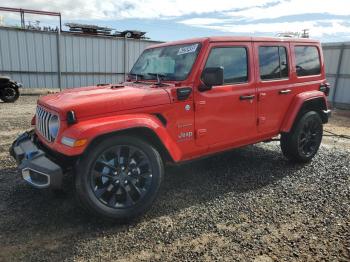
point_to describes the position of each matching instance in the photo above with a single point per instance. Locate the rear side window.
(234, 60)
(307, 60)
(273, 62)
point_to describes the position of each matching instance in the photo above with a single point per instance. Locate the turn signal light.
(80, 142)
(72, 142)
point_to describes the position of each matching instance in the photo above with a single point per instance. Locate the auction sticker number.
(187, 49)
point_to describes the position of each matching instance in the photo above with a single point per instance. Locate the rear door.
(274, 78)
(227, 114)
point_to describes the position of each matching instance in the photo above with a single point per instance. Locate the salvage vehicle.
(183, 100)
(9, 92)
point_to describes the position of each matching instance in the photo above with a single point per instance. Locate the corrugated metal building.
(31, 57)
(337, 60)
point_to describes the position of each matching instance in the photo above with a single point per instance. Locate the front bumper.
(34, 165)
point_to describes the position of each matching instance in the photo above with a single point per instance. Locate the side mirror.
(212, 76)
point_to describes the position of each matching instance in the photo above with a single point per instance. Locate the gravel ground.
(249, 204)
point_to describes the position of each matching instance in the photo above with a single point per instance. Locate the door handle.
(247, 97)
(284, 92)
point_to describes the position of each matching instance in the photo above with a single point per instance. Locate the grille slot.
(42, 119)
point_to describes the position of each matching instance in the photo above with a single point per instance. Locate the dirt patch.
(249, 204)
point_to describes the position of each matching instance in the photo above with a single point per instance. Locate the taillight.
(325, 88)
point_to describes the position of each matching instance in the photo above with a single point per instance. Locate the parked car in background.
(9, 89)
(183, 100)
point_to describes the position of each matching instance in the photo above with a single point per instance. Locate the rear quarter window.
(307, 60)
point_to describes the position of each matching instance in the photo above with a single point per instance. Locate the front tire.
(119, 178)
(302, 143)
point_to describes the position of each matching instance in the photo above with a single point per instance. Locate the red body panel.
(204, 123)
(221, 118)
(101, 101)
(270, 97)
(295, 106)
(95, 127)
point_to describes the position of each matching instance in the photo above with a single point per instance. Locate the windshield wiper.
(136, 76)
(159, 77)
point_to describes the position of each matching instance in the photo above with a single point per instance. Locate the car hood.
(99, 100)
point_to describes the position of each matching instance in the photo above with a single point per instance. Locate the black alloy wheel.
(310, 137)
(121, 176)
(303, 141)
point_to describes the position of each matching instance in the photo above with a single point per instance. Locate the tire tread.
(82, 168)
(289, 141)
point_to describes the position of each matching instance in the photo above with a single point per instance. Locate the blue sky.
(328, 21)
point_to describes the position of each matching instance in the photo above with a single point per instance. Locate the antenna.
(305, 33)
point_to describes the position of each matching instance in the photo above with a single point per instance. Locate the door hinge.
(201, 132)
(261, 96)
(200, 104)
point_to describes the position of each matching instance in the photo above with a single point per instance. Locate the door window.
(307, 60)
(273, 62)
(234, 60)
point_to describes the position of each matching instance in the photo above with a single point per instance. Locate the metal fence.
(32, 57)
(337, 60)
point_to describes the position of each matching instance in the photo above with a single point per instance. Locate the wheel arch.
(145, 126)
(144, 133)
(304, 102)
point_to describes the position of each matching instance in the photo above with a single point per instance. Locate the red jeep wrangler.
(183, 100)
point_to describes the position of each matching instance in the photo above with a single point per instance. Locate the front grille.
(42, 119)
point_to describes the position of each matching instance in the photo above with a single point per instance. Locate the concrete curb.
(37, 91)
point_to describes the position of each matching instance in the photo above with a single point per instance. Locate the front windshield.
(172, 63)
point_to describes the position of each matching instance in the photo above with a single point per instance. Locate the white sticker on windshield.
(187, 49)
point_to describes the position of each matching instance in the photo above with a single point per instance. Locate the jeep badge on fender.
(210, 95)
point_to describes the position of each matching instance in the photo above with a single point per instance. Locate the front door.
(226, 114)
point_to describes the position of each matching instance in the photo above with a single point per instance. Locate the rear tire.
(303, 141)
(119, 178)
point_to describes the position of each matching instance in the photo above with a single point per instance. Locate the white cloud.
(246, 21)
(317, 31)
(295, 7)
(119, 9)
(203, 21)
(234, 16)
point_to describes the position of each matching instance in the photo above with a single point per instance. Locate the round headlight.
(54, 125)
